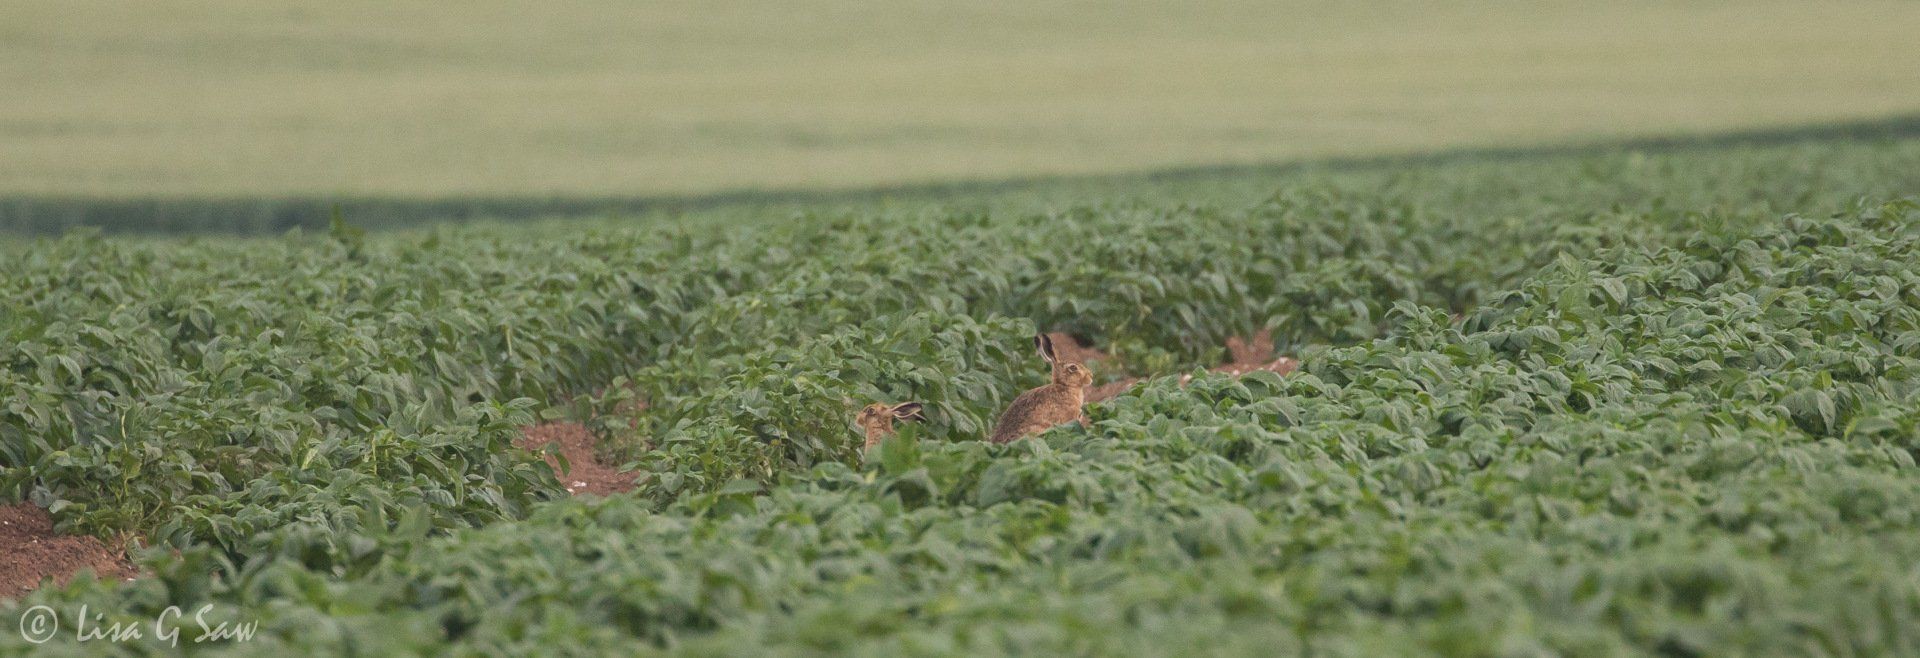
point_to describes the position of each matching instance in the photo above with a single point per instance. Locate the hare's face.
(1076, 375)
(875, 420)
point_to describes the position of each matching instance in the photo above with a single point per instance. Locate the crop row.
(242, 392)
(1701, 448)
(299, 416)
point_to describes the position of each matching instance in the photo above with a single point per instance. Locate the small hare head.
(1071, 374)
(877, 419)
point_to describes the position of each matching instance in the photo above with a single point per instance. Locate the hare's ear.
(1044, 344)
(908, 411)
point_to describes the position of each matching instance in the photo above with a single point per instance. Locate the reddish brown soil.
(30, 553)
(1254, 354)
(588, 475)
(1257, 348)
(1111, 389)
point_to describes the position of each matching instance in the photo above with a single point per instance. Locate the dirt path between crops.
(587, 474)
(31, 553)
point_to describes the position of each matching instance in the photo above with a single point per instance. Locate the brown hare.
(877, 419)
(1057, 403)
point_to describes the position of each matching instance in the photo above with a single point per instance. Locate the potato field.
(1609, 402)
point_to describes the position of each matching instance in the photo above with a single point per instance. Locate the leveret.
(1060, 402)
(877, 419)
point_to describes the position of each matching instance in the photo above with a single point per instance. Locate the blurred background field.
(499, 100)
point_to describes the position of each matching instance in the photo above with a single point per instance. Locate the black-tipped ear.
(908, 411)
(1044, 344)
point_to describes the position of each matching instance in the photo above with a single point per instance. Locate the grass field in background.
(495, 99)
(1223, 185)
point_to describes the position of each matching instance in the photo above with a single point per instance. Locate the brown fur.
(1057, 403)
(877, 419)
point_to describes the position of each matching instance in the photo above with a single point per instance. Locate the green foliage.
(207, 394)
(781, 408)
(1654, 430)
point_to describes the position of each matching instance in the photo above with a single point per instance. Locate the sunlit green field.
(257, 99)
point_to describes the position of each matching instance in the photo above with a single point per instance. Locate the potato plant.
(1674, 418)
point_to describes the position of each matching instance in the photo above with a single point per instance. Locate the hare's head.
(877, 419)
(1072, 374)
